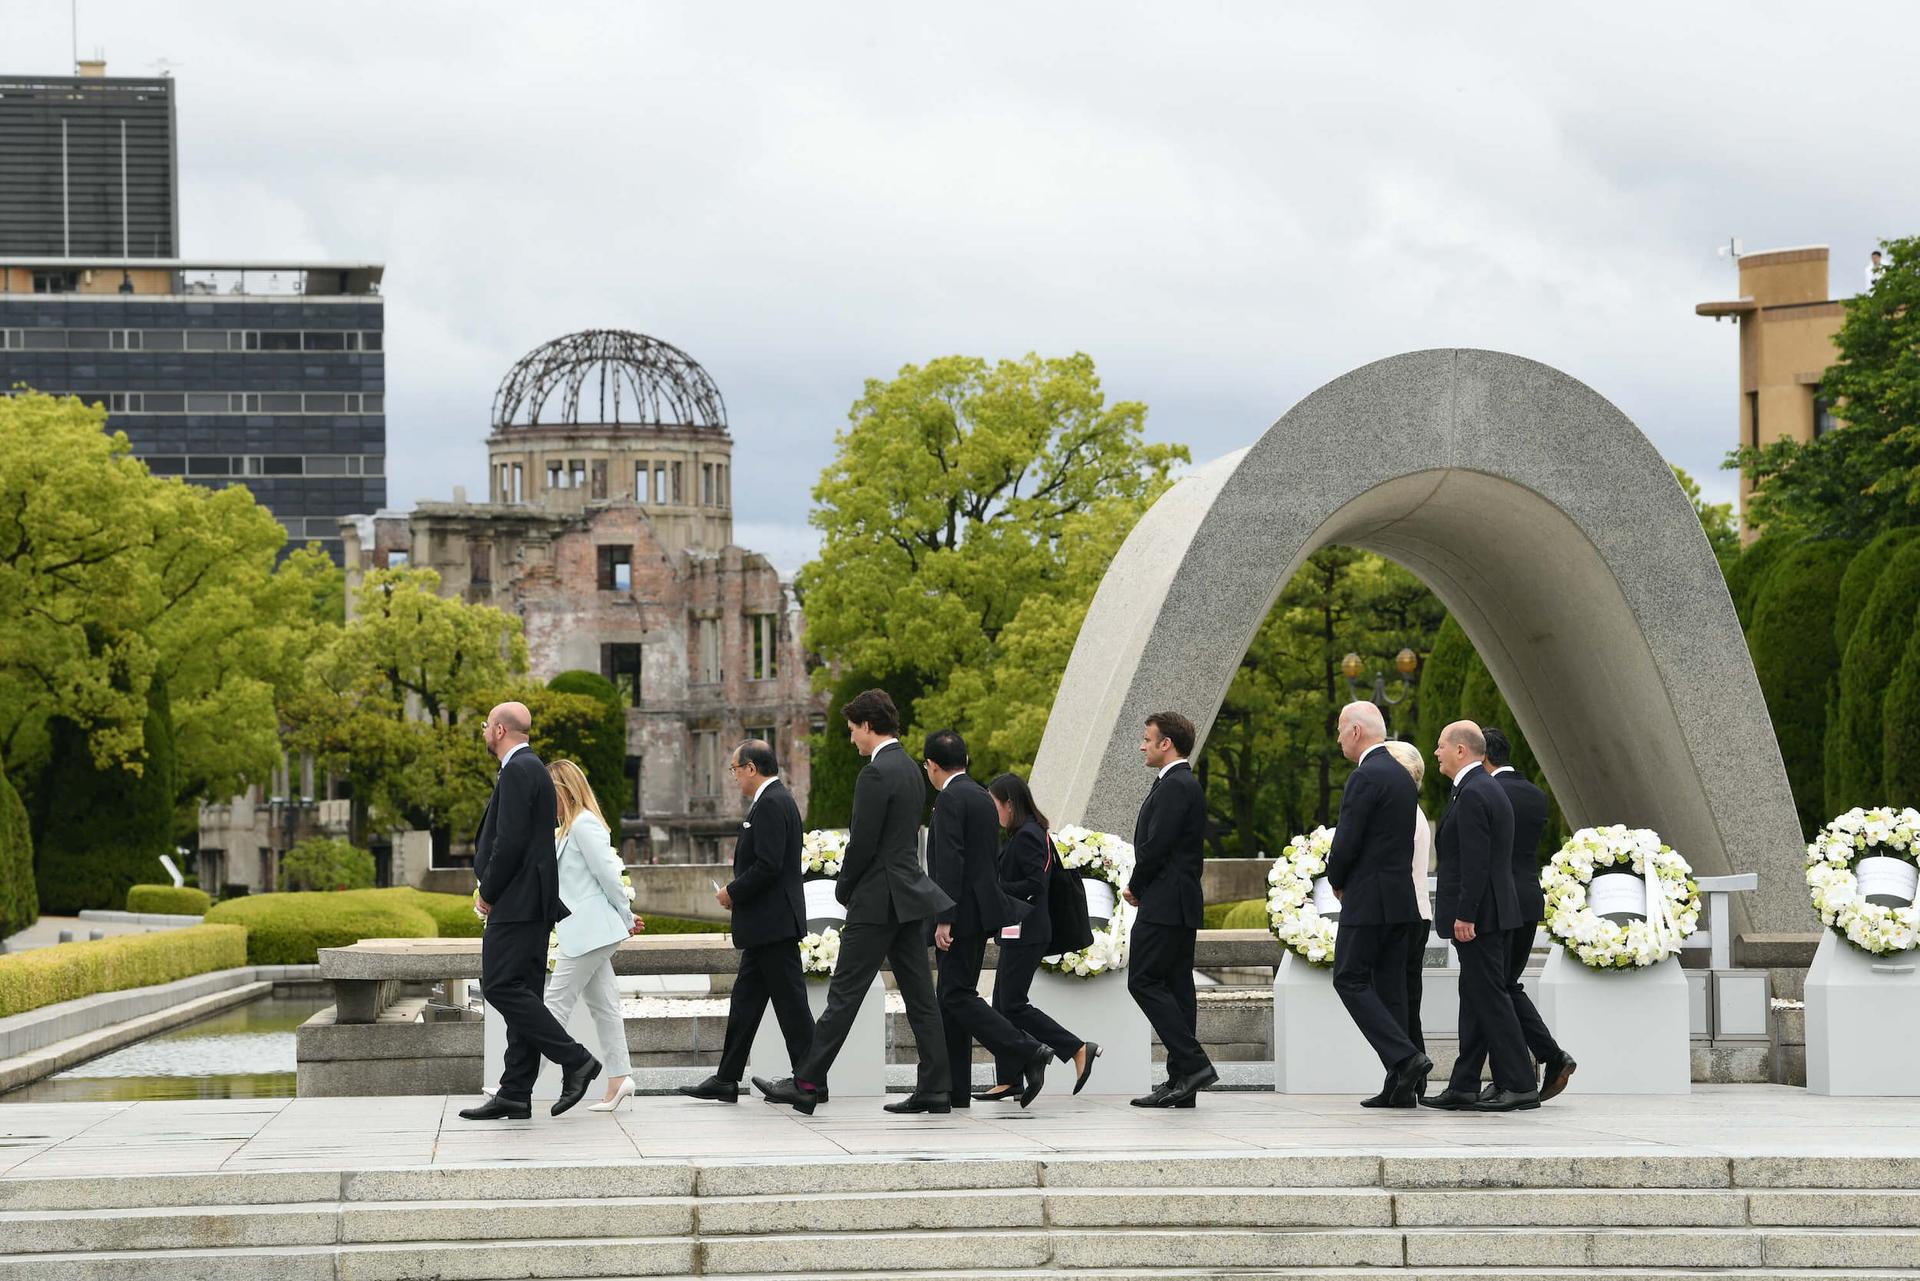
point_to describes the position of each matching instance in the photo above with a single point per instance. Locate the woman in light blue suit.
(599, 921)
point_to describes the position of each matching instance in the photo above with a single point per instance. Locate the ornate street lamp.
(1406, 663)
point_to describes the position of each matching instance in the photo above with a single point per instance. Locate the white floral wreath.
(822, 850)
(819, 953)
(1855, 835)
(1103, 857)
(1290, 911)
(1673, 898)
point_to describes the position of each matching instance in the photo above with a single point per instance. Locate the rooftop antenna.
(1730, 250)
(73, 13)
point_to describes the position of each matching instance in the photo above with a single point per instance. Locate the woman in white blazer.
(599, 921)
(1409, 756)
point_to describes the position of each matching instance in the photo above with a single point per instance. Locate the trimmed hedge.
(1214, 915)
(452, 914)
(326, 863)
(1748, 574)
(1791, 641)
(68, 971)
(1862, 576)
(290, 929)
(1248, 915)
(677, 925)
(1441, 681)
(185, 901)
(1855, 737)
(19, 900)
(601, 750)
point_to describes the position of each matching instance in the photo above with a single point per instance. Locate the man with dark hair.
(889, 900)
(1169, 855)
(963, 848)
(769, 919)
(1473, 908)
(1529, 821)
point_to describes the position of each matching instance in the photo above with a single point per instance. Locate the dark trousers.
(1539, 1038)
(1011, 982)
(967, 1018)
(513, 979)
(1370, 974)
(770, 972)
(1160, 980)
(1488, 1026)
(863, 947)
(1417, 939)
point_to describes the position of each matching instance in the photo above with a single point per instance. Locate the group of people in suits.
(1487, 903)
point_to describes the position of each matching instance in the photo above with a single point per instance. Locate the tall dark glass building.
(267, 374)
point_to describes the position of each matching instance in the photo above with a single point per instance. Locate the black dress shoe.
(1406, 1087)
(1451, 1100)
(494, 1110)
(1509, 1101)
(997, 1095)
(1093, 1052)
(1558, 1071)
(918, 1102)
(1488, 1090)
(574, 1082)
(1163, 1096)
(1385, 1097)
(786, 1090)
(713, 1089)
(1035, 1072)
(1184, 1090)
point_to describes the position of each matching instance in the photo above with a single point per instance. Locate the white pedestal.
(1103, 1011)
(1863, 1020)
(861, 1069)
(1316, 1047)
(1628, 1029)
(493, 1050)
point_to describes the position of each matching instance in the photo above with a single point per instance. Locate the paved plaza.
(130, 1139)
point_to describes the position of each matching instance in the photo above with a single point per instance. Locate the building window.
(707, 637)
(519, 481)
(706, 484)
(621, 665)
(726, 485)
(679, 494)
(1823, 419)
(480, 562)
(616, 569)
(633, 810)
(554, 474)
(599, 479)
(660, 483)
(766, 734)
(642, 486)
(764, 629)
(706, 772)
(577, 474)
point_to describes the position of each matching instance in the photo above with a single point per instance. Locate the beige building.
(1787, 324)
(608, 532)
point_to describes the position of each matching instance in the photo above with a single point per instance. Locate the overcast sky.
(1226, 205)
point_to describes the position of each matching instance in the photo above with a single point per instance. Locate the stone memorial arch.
(1545, 522)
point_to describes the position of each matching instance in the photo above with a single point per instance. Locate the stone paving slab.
(1774, 1136)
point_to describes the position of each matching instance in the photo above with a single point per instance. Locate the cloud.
(1226, 205)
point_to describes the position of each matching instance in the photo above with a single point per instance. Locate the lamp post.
(1406, 663)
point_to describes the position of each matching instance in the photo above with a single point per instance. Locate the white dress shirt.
(517, 747)
(1170, 764)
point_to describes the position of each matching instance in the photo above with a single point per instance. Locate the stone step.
(409, 1261)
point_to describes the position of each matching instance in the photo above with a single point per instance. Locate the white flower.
(1597, 941)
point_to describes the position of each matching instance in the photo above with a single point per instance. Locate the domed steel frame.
(638, 380)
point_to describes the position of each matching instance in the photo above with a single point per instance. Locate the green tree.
(1717, 521)
(326, 863)
(1861, 577)
(103, 828)
(1856, 734)
(1863, 480)
(955, 493)
(1441, 684)
(397, 700)
(1748, 574)
(19, 900)
(594, 737)
(1791, 641)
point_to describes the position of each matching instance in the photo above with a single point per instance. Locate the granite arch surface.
(1550, 527)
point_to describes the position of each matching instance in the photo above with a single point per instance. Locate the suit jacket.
(1529, 820)
(963, 840)
(1023, 867)
(513, 854)
(768, 903)
(1169, 850)
(1475, 845)
(596, 902)
(881, 872)
(1372, 858)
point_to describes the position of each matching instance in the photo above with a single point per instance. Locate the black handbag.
(1066, 907)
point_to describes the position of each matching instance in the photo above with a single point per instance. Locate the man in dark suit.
(769, 919)
(1475, 906)
(1371, 868)
(1169, 854)
(1529, 821)
(963, 845)
(889, 900)
(520, 897)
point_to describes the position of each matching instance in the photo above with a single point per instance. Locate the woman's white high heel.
(620, 1096)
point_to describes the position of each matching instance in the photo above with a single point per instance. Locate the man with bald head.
(520, 897)
(1473, 907)
(1371, 868)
